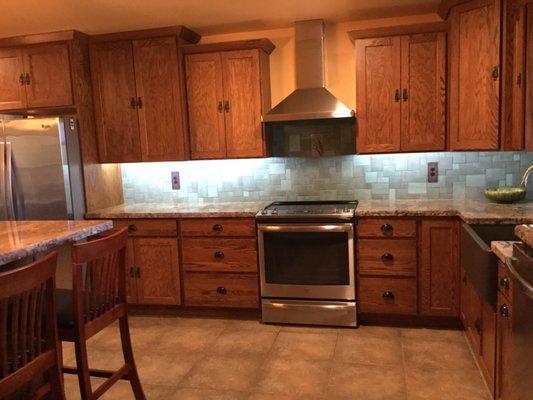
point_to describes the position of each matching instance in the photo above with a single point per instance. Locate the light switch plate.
(175, 176)
(433, 172)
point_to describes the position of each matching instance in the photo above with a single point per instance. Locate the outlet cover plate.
(433, 172)
(175, 177)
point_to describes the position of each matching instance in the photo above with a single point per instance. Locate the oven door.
(312, 261)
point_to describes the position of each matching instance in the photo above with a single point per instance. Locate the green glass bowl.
(506, 194)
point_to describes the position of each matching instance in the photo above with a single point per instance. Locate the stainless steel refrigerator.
(40, 169)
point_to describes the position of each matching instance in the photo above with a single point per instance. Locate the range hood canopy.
(311, 100)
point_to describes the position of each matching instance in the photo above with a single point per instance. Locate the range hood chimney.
(311, 100)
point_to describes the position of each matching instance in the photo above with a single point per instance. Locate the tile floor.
(197, 359)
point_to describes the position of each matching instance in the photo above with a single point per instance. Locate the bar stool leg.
(84, 375)
(128, 357)
(56, 383)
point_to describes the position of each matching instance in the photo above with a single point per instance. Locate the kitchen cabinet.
(471, 313)
(401, 92)
(475, 73)
(529, 79)
(439, 285)
(504, 316)
(35, 76)
(227, 92)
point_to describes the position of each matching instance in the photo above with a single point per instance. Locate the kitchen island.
(22, 239)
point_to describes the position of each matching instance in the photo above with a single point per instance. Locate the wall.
(398, 176)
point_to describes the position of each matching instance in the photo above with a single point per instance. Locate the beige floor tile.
(298, 377)
(252, 325)
(165, 369)
(183, 339)
(207, 323)
(224, 373)
(433, 334)
(384, 332)
(426, 354)
(457, 384)
(364, 348)
(242, 343)
(305, 346)
(284, 396)
(310, 329)
(366, 382)
(207, 394)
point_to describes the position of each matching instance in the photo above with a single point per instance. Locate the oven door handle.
(306, 228)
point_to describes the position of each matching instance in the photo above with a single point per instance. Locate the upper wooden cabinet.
(475, 75)
(138, 95)
(401, 90)
(35, 76)
(227, 92)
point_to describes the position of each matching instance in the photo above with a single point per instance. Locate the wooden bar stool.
(97, 300)
(28, 331)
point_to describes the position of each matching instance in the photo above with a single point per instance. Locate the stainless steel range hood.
(311, 100)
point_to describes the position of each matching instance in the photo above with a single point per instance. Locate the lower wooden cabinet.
(504, 348)
(387, 295)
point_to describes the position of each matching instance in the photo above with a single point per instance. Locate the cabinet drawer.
(505, 283)
(221, 290)
(218, 227)
(387, 257)
(386, 227)
(148, 227)
(220, 254)
(387, 296)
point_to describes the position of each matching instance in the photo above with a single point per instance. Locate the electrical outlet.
(433, 172)
(175, 177)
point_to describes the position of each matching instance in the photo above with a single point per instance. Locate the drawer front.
(386, 227)
(387, 296)
(505, 283)
(387, 257)
(218, 227)
(220, 255)
(221, 290)
(148, 227)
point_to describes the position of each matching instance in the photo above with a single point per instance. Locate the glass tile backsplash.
(386, 176)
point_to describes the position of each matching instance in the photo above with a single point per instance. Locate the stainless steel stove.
(307, 263)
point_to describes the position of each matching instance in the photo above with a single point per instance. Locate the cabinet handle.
(388, 295)
(132, 227)
(387, 257)
(138, 272)
(222, 290)
(139, 102)
(132, 273)
(220, 107)
(27, 79)
(495, 73)
(504, 311)
(219, 255)
(218, 228)
(226, 106)
(504, 282)
(386, 228)
(133, 102)
(405, 95)
(22, 80)
(397, 96)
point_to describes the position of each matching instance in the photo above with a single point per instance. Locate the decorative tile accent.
(386, 176)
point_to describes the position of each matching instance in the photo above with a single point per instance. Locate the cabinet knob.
(21, 79)
(221, 290)
(387, 228)
(397, 95)
(133, 102)
(504, 311)
(388, 295)
(495, 72)
(405, 95)
(387, 257)
(219, 254)
(218, 228)
(139, 102)
(226, 106)
(220, 107)
(132, 227)
(27, 79)
(504, 282)
(132, 273)
(138, 272)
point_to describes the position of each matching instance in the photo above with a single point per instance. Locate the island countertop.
(20, 239)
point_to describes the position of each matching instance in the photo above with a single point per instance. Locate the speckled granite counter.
(20, 239)
(525, 233)
(502, 249)
(470, 211)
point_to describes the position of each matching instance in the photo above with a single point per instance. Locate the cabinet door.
(378, 95)
(205, 95)
(529, 79)
(158, 279)
(439, 283)
(487, 360)
(423, 92)
(158, 88)
(131, 280)
(117, 122)
(242, 103)
(475, 76)
(12, 94)
(471, 314)
(47, 70)
(504, 349)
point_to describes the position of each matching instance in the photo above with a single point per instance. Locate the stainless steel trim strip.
(9, 183)
(510, 262)
(65, 166)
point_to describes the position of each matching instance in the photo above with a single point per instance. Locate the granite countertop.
(502, 249)
(525, 233)
(470, 211)
(20, 239)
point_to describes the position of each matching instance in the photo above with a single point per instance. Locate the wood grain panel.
(372, 261)
(131, 280)
(505, 283)
(219, 255)
(157, 82)
(529, 80)
(156, 260)
(487, 356)
(242, 92)
(504, 351)
(218, 227)
(48, 67)
(423, 92)
(13, 93)
(205, 97)
(371, 299)
(474, 91)
(378, 110)
(117, 121)
(439, 284)
(376, 227)
(202, 289)
(148, 227)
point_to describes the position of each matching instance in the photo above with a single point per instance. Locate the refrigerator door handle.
(9, 183)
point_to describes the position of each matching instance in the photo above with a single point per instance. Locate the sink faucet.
(526, 176)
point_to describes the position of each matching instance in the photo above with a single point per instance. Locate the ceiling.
(204, 16)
